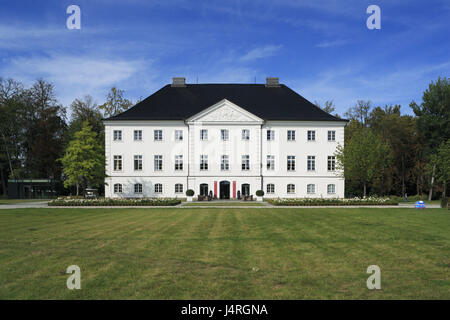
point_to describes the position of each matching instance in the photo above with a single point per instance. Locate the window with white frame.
(270, 135)
(137, 163)
(158, 162)
(117, 163)
(178, 162)
(311, 163)
(117, 135)
(137, 135)
(291, 188)
(203, 134)
(291, 135)
(331, 163)
(311, 135)
(291, 163)
(158, 188)
(225, 163)
(331, 189)
(224, 134)
(270, 188)
(203, 162)
(158, 135)
(245, 162)
(178, 135)
(117, 188)
(178, 188)
(311, 188)
(270, 162)
(245, 134)
(138, 188)
(331, 135)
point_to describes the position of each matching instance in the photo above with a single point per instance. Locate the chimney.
(178, 82)
(272, 83)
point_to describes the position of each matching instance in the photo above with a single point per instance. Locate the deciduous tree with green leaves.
(84, 160)
(364, 157)
(115, 103)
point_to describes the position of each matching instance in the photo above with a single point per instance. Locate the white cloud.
(260, 52)
(75, 76)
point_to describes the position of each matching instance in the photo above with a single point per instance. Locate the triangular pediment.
(225, 111)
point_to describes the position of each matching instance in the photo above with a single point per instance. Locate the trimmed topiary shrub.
(259, 193)
(189, 192)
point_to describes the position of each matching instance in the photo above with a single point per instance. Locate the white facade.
(234, 150)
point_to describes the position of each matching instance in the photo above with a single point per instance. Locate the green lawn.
(224, 204)
(202, 253)
(16, 201)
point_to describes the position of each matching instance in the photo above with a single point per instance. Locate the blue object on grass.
(420, 204)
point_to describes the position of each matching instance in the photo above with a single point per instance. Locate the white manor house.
(227, 140)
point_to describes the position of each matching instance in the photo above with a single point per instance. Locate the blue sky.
(321, 49)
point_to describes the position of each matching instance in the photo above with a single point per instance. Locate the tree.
(115, 103)
(84, 160)
(359, 112)
(440, 163)
(365, 157)
(328, 108)
(433, 118)
(82, 110)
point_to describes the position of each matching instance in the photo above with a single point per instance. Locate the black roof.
(268, 103)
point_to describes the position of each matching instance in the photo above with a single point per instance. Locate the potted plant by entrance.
(259, 195)
(189, 194)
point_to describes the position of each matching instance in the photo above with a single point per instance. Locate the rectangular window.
(117, 135)
(178, 162)
(291, 163)
(331, 163)
(138, 188)
(224, 134)
(117, 188)
(311, 135)
(245, 134)
(137, 163)
(311, 163)
(331, 188)
(311, 188)
(270, 162)
(270, 188)
(158, 136)
(178, 135)
(291, 135)
(203, 162)
(203, 134)
(158, 163)
(178, 188)
(291, 188)
(331, 135)
(137, 135)
(158, 188)
(270, 135)
(225, 163)
(245, 162)
(117, 163)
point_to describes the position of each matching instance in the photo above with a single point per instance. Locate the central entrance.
(224, 190)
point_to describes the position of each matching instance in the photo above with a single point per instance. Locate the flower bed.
(65, 202)
(369, 201)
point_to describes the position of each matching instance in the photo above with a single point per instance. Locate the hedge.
(332, 202)
(115, 202)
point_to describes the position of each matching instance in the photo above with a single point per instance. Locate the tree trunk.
(78, 189)
(444, 192)
(3, 182)
(364, 192)
(403, 176)
(430, 194)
